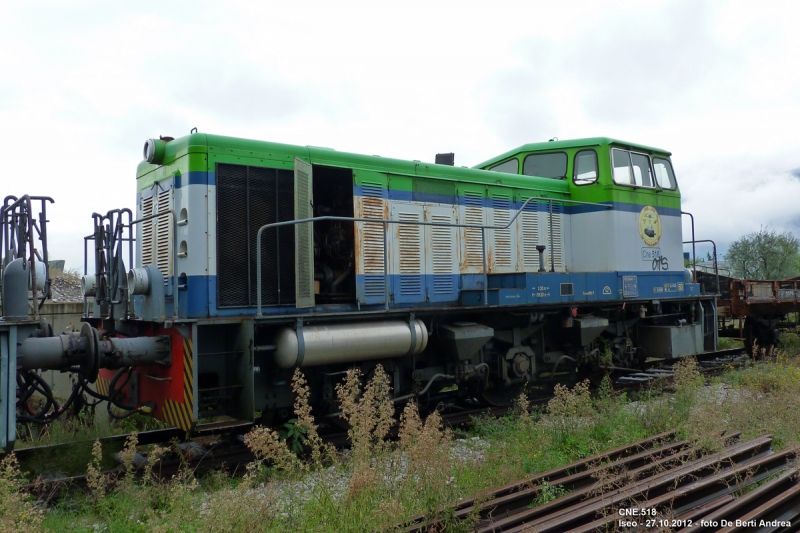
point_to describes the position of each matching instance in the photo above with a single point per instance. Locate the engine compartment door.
(303, 234)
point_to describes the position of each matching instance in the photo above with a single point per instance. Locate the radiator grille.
(427, 190)
(248, 198)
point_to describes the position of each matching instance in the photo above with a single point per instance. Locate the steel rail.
(659, 490)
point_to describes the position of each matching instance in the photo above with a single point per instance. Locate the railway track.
(658, 484)
(709, 363)
(219, 445)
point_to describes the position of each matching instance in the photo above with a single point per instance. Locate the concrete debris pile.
(66, 288)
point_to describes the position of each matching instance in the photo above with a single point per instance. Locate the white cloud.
(85, 83)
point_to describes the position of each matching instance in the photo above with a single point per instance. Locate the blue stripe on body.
(199, 299)
(179, 181)
(501, 203)
(195, 178)
(625, 207)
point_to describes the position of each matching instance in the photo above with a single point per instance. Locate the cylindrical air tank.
(343, 343)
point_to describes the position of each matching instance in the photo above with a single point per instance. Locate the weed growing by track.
(17, 512)
(381, 482)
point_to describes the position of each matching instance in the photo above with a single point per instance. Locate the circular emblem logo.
(650, 226)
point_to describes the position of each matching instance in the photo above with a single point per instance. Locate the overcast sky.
(84, 84)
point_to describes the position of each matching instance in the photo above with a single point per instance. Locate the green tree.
(764, 255)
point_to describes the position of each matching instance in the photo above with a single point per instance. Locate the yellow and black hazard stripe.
(102, 386)
(181, 415)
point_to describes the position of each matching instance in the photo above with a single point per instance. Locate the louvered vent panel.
(410, 285)
(502, 237)
(409, 245)
(473, 214)
(147, 232)
(372, 246)
(164, 245)
(529, 223)
(558, 239)
(441, 254)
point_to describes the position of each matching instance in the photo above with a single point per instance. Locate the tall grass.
(380, 481)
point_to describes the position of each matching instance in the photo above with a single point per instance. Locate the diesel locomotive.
(245, 260)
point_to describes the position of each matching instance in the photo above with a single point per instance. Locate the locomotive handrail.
(385, 224)
(130, 241)
(716, 267)
(113, 251)
(694, 253)
(7, 230)
(119, 227)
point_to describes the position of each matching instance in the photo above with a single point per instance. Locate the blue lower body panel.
(574, 288)
(198, 297)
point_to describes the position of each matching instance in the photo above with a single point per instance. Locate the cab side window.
(665, 177)
(552, 165)
(641, 170)
(621, 161)
(631, 168)
(585, 167)
(511, 167)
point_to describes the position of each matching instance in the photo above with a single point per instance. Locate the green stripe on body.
(201, 152)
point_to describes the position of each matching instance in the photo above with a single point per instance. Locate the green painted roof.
(567, 144)
(285, 153)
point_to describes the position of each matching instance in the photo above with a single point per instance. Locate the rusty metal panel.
(441, 253)
(369, 246)
(528, 237)
(501, 243)
(406, 253)
(471, 212)
(757, 289)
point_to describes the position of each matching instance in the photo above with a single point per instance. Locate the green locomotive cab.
(592, 165)
(641, 232)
